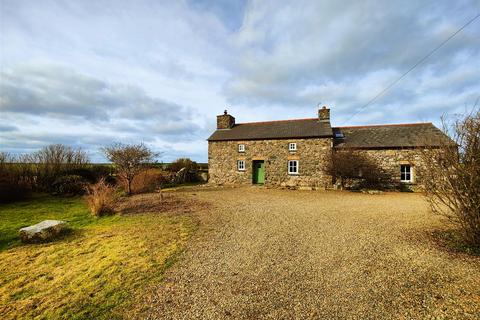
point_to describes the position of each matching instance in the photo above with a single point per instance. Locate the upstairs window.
(406, 173)
(292, 166)
(241, 165)
(241, 148)
(292, 146)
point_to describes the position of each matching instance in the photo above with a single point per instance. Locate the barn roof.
(389, 136)
(283, 129)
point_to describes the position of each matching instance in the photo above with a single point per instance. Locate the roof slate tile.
(390, 136)
(283, 129)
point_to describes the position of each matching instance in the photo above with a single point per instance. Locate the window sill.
(293, 174)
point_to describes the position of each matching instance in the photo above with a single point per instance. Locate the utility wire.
(411, 68)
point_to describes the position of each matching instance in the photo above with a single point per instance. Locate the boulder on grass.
(44, 231)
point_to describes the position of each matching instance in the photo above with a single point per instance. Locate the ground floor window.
(241, 165)
(292, 166)
(406, 173)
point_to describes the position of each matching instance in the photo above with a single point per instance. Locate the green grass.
(22, 214)
(96, 272)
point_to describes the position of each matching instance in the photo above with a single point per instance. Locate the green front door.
(258, 172)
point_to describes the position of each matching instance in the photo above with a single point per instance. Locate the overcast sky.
(89, 73)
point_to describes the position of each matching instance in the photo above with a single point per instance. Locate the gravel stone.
(283, 254)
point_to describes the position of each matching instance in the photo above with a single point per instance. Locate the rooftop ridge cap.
(271, 121)
(385, 125)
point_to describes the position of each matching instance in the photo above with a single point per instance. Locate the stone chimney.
(225, 121)
(324, 114)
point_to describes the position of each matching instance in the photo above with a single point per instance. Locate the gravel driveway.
(280, 254)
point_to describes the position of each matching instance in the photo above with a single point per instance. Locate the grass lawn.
(94, 272)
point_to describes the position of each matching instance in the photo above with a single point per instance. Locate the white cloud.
(343, 53)
(90, 73)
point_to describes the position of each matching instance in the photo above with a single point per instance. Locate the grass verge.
(93, 273)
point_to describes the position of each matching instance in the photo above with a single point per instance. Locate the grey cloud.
(51, 90)
(83, 111)
(7, 128)
(305, 44)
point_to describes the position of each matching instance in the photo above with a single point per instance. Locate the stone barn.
(293, 153)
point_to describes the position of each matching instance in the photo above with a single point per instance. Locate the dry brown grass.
(164, 202)
(101, 198)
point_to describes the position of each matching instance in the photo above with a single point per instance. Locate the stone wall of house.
(391, 160)
(312, 155)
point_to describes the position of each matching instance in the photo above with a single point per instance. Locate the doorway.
(258, 175)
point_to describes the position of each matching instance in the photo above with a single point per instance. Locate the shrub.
(69, 185)
(92, 173)
(452, 176)
(15, 178)
(190, 172)
(357, 170)
(150, 180)
(101, 198)
(180, 163)
(53, 161)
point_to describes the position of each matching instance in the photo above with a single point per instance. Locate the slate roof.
(363, 137)
(283, 129)
(390, 136)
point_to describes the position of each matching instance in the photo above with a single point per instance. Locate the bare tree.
(351, 167)
(55, 160)
(130, 160)
(452, 175)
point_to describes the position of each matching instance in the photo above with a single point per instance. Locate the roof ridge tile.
(275, 121)
(385, 125)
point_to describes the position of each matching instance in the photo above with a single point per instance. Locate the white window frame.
(405, 172)
(241, 148)
(241, 165)
(292, 146)
(297, 165)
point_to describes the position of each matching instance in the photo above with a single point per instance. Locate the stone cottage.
(293, 153)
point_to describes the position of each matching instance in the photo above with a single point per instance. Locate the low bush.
(101, 198)
(150, 180)
(92, 173)
(54, 161)
(15, 179)
(180, 163)
(10, 192)
(69, 185)
(189, 172)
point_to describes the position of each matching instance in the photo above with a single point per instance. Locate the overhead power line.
(411, 68)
